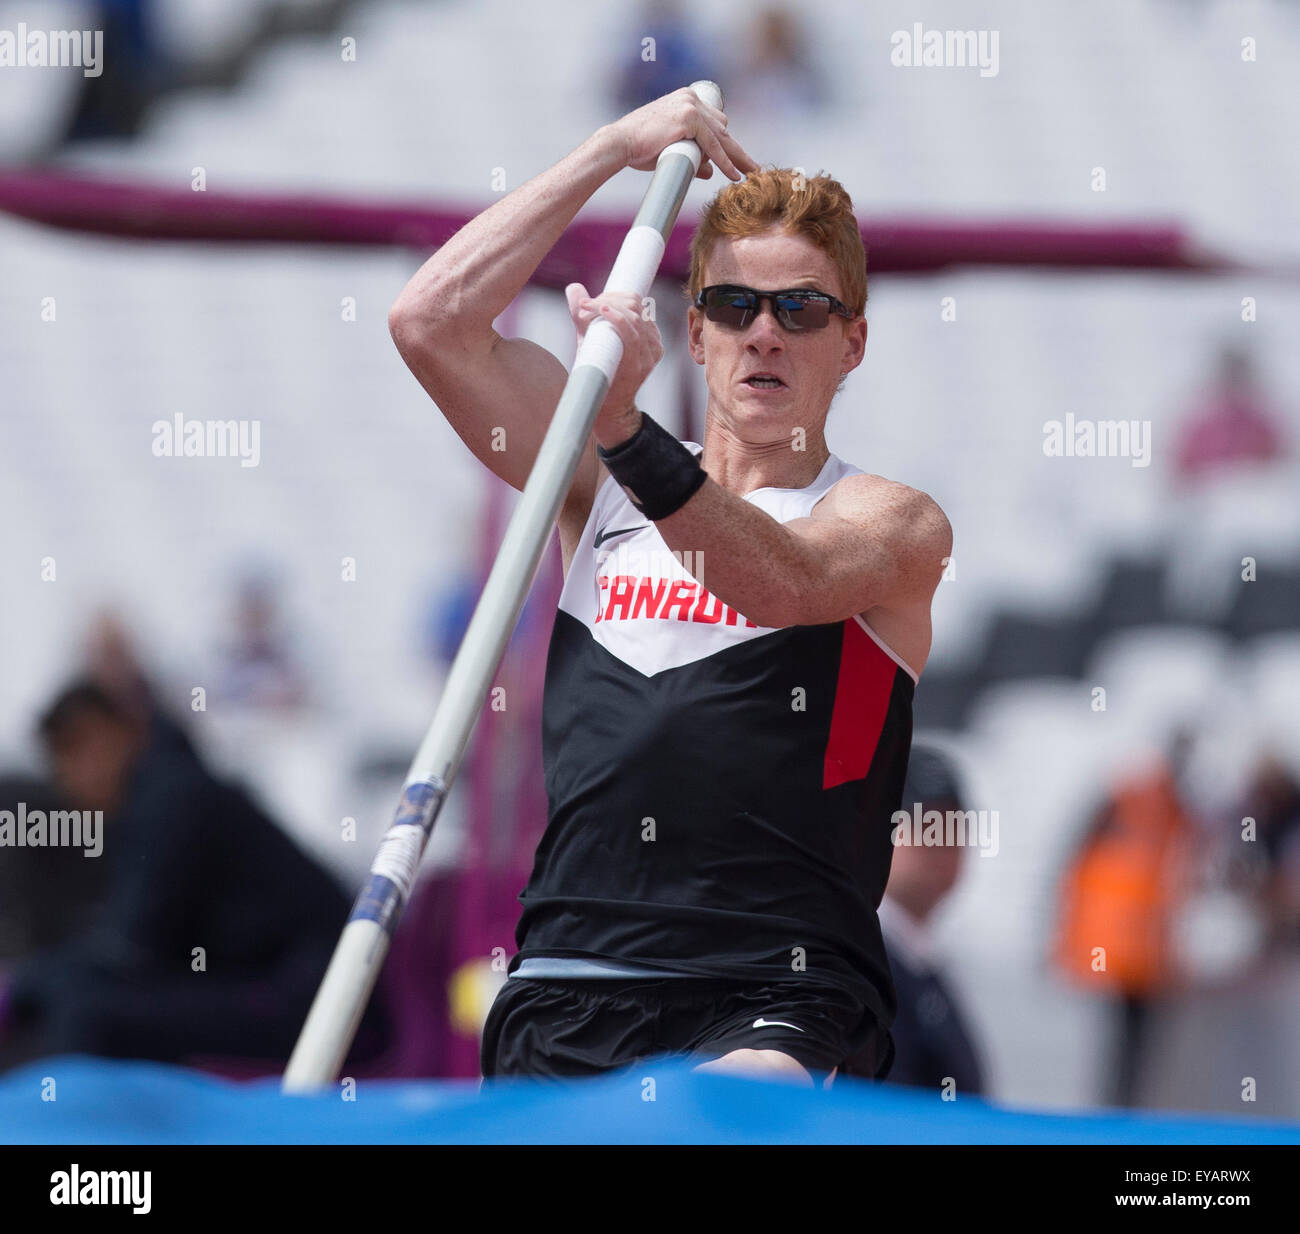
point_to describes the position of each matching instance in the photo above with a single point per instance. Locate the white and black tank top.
(719, 793)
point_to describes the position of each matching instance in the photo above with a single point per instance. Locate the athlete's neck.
(742, 466)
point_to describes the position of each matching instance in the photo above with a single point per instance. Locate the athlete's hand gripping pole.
(354, 967)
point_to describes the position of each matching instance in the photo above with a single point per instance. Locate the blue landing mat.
(97, 1101)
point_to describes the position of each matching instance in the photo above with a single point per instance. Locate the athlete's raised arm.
(442, 320)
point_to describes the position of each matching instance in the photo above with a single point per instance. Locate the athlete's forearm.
(876, 543)
(739, 552)
(472, 278)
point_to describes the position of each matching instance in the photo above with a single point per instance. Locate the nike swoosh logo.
(762, 1023)
(602, 535)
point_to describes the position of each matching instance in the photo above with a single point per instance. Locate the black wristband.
(658, 473)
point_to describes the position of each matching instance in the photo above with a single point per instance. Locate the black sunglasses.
(799, 308)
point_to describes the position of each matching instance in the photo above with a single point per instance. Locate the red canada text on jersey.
(627, 597)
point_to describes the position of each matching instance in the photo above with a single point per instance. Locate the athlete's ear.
(695, 333)
(855, 345)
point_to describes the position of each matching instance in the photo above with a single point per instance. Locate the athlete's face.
(808, 363)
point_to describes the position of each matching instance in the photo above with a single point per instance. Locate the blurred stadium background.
(1069, 573)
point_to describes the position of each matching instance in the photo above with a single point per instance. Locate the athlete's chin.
(770, 411)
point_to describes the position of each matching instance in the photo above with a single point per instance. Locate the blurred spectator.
(1233, 425)
(47, 894)
(111, 663)
(447, 617)
(774, 76)
(113, 103)
(932, 1043)
(215, 930)
(1120, 894)
(674, 59)
(258, 668)
(449, 609)
(1273, 801)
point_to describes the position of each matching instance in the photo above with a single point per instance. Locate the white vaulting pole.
(341, 1000)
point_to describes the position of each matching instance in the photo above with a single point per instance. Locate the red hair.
(813, 206)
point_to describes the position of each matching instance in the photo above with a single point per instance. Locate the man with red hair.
(727, 714)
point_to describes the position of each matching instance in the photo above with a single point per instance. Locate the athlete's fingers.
(716, 114)
(576, 295)
(739, 156)
(646, 343)
(626, 303)
(621, 318)
(623, 299)
(714, 151)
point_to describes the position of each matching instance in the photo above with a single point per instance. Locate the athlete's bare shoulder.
(906, 515)
(919, 537)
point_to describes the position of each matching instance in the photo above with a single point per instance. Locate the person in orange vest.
(1118, 897)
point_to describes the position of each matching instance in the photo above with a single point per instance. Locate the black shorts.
(544, 1027)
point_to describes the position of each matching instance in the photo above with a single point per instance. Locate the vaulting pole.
(340, 1002)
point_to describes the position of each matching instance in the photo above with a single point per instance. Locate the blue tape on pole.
(393, 872)
(380, 900)
(420, 803)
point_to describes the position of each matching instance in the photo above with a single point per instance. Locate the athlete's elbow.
(419, 321)
(402, 325)
(409, 327)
